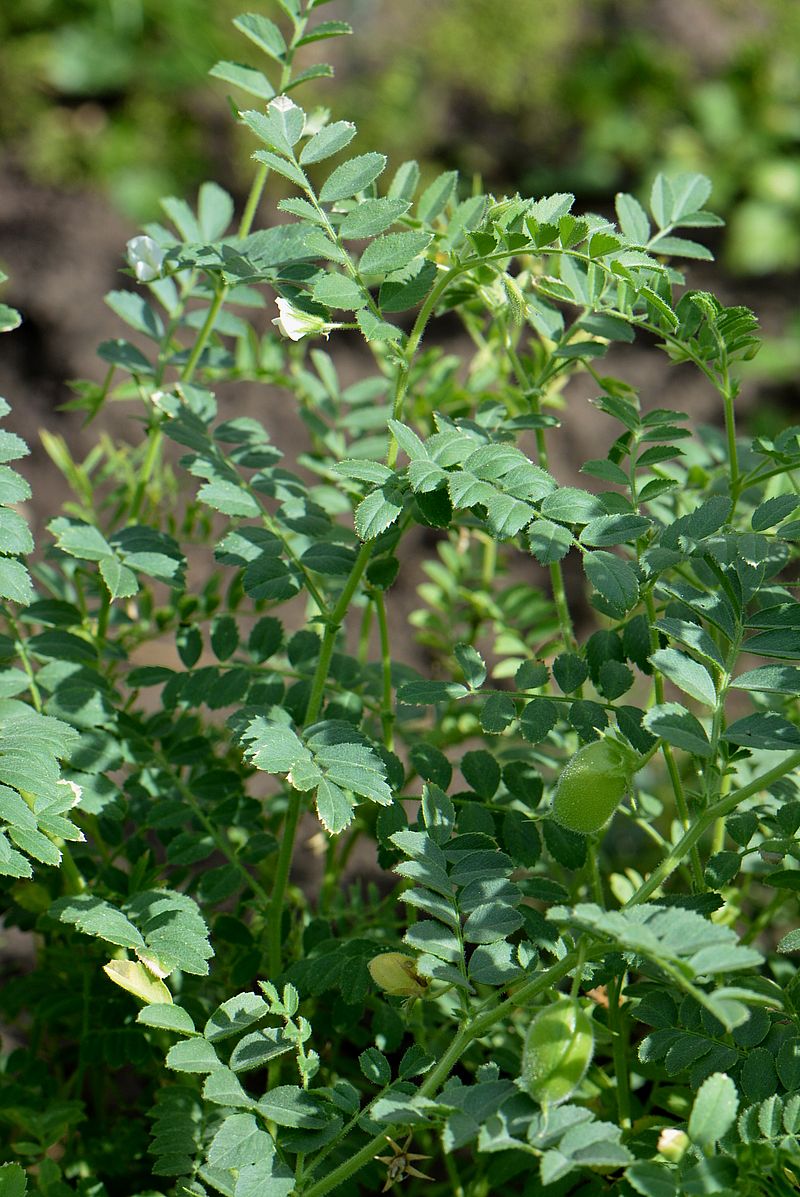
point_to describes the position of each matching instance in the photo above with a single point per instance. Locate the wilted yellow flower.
(397, 974)
(138, 980)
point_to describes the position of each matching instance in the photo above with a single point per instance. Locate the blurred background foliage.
(112, 92)
(590, 96)
(583, 95)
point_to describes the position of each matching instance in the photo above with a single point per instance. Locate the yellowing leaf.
(138, 981)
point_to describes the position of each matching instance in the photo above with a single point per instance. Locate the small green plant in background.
(584, 827)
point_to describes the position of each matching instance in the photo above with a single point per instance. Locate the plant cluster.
(565, 975)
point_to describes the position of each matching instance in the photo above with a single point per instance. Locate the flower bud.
(673, 1143)
(517, 303)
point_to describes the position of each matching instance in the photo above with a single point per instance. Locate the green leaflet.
(688, 675)
(678, 727)
(332, 760)
(35, 802)
(391, 252)
(351, 177)
(371, 217)
(614, 579)
(156, 924)
(714, 1110)
(327, 142)
(177, 1130)
(15, 583)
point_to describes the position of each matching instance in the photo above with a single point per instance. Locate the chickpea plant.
(551, 950)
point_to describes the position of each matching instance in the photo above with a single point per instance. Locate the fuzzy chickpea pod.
(591, 786)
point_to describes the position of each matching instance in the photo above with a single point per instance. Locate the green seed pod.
(591, 787)
(558, 1050)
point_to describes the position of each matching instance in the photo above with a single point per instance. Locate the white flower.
(145, 258)
(295, 324)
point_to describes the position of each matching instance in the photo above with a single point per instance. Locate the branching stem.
(698, 829)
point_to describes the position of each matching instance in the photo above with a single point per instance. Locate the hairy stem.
(563, 612)
(154, 440)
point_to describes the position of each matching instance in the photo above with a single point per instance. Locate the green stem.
(387, 713)
(565, 623)
(344, 1132)
(363, 635)
(167, 341)
(211, 828)
(286, 851)
(245, 225)
(74, 882)
(694, 834)
(717, 785)
(262, 174)
(758, 475)
(727, 391)
(618, 1028)
(456, 1187)
(103, 616)
(272, 526)
(672, 768)
(22, 653)
(420, 324)
(332, 630)
(347, 261)
(275, 903)
(329, 879)
(414, 338)
(251, 206)
(730, 432)
(683, 811)
(562, 607)
(765, 919)
(148, 467)
(187, 373)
